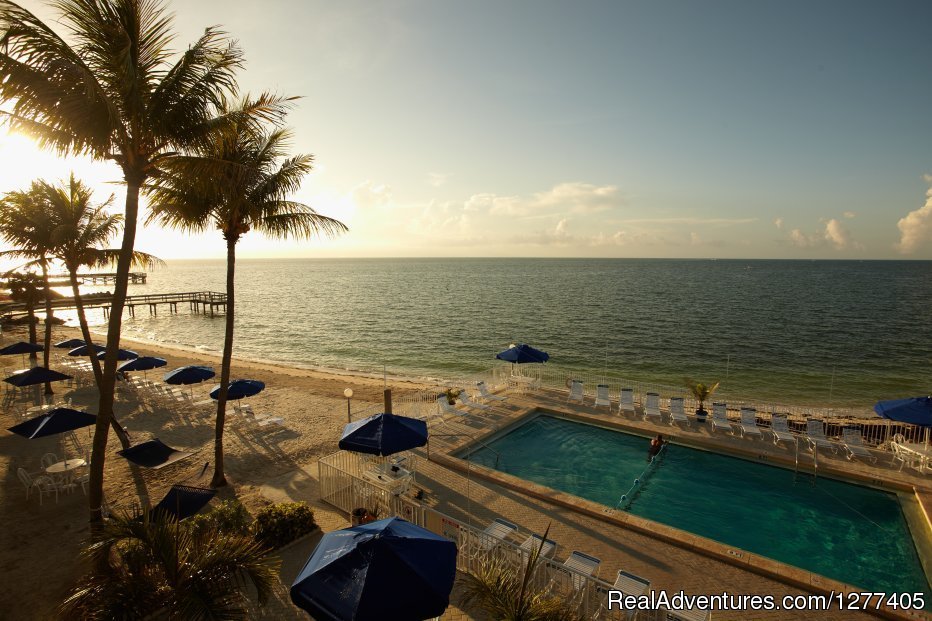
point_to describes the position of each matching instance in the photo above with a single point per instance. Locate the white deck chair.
(677, 414)
(446, 408)
(581, 564)
(906, 458)
(602, 398)
(652, 407)
(495, 533)
(466, 401)
(42, 484)
(485, 394)
(720, 417)
(815, 434)
(632, 585)
(781, 430)
(851, 440)
(533, 543)
(576, 391)
(748, 423)
(626, 401)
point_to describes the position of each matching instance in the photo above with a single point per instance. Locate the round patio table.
(66, 468)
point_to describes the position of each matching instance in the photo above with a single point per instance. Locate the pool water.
(847, 532)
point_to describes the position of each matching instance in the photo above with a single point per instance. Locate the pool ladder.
(815, 462)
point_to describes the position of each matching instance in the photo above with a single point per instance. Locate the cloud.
(849, 214)
(801, 240)
(494, 204)
(681, 220)
(778, 222)
(572, 197)
(916, 227)
(836, 235)
(833, 235)
(437, 179)
(369, 195)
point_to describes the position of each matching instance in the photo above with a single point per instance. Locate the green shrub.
(279, 524)
(229, 516)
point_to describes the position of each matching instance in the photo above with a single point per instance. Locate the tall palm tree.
(113, 91)
(24, 287)
(237, 182)
(141, 566)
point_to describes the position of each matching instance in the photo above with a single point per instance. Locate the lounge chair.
(720, 418)
(581, 565)
(652, 407)
(533, 543)
(466, 401)
(485, 394)
(815, 434)
(748, 423)
(632, 585)
(495, 533)
(602, 398)
(576, 391)
(446, 408)
(626, 401)
(677, 414)
(781, 430)
(851, 440)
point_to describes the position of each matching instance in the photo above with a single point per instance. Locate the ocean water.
(832, 333)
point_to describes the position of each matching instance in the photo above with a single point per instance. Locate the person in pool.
(655, 445)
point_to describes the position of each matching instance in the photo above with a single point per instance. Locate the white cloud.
(694, 239)
(368, 195)
(579, 197)
(849, 214)
(437, 179)
(692, 221)
(916, 227)
(833, 235)
(801, 240)
(836, 235)
(778, 222)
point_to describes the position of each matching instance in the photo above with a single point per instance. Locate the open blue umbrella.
(913, 410)
(521, 354)
(84, 350)
(35, 375)
(143, 363)
(390, 569)
(70, 343)
(193, 374)
(22, 348)
(384, 434)
(122, 354)
(59, 420)
(240, 389)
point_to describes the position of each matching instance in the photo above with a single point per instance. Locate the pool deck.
(671, 559)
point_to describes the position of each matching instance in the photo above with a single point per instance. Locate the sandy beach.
(41, 544)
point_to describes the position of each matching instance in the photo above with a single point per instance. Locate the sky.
(715, 129)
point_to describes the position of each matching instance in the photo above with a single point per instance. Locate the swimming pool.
(847, 532)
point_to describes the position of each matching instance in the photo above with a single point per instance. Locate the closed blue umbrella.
(70, 343)
(59, 420)
(390, 569)
(914, 410)
(384, 434)
(35, 375)
(522, 354)
(84, 350)
(240, 389)
(122, 354)
(193, 374)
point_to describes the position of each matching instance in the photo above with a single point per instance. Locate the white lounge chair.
(815, 434)
(536, 542)
(576, 391)
(652, 407)
(677, 414)
(626, 401)
(720, 418)
(851, 440)
(748, 423)
(781, 430)
(466, 401)
(495, 533)
(632, 585)
(485, 394)
(246, 414)
(446, 408)
(582, 565)
(602, 398)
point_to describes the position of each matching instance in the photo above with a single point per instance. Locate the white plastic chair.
(576, 391)
(720, 417)
(601, 396)
(465, 400)
(815, 434)
(485, 394)
(781, 430)
(44, 485)
(446, 408)
(652, 407)
(626, 401)
(748, 423)
(851, 440)
(677, 413)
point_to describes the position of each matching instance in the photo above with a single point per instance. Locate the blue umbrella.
(84, 350)
(390, 569)
(193, 374)
(384, 434)
(35, 375)
(240, 389)
(521, 354)
(122, 354)
(914, 410)
(70, 343)
(143, 363)
(22, 348)
(59, 420)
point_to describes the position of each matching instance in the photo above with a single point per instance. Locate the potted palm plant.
(701, 392)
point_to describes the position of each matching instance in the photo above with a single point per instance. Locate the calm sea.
(840, 333)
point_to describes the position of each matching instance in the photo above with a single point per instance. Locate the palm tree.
(113, 92)
(701, 392)
(142, 566)
(24, 287)
(238, 182)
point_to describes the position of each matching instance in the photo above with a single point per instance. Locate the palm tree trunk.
(108, 377)
(31, 311)
(219, 479)
(48, 321)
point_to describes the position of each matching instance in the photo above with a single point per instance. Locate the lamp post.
(348, 393)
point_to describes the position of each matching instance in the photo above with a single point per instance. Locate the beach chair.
(43, 484)
(446, 408)
(534, 543)
(906, 458)
(748, 423)
(626, 401)
(781, 430)
(495, 533)
(632, 585)
(720, 418)
(466, 401)
(677, 414)
(851, 440)
(576, 391)
(485, 394)
(602, 398)
(815, 434)
(652, 407)
(247, 415)
(581, 565)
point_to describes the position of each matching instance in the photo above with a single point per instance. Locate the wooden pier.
(100, 278)
(207, 302)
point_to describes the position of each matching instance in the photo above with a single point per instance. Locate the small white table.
(523, 383)
(923, 452)
(66, 468)
(396, 481)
